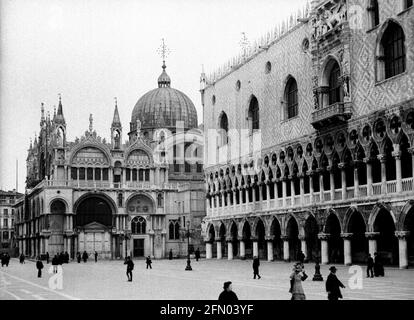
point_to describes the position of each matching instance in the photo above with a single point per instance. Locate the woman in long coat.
(296, 279)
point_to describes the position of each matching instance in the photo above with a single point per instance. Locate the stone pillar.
(302, 188)
(343, 180)
(240, 195)
(229, 249)
(242, 249)
(321, 186)
(70, 246)
(332, 182)
(219, 252)
(347, 248)
(268, 192)
(209, 250)
(286, 252)
(270, 256)
(383, 161)
(372, 242)
(402, 248)
(253, 193)
(255, 248)
(311, 191)
(304, 246)
(324, 247)
(356, 181)
(277, 191)
(397, 156)
(292, 191)
(234, 196)
(284, 192)
(369, 176)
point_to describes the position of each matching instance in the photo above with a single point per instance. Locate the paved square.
(169, 280)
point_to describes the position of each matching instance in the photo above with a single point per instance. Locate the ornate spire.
(116, 122)
(42, 113)
(90, 123)
(163, 80)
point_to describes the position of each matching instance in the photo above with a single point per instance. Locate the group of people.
(5, 259)
(130, 266)
(84, 256)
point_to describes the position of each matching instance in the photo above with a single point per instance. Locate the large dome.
(162, 107)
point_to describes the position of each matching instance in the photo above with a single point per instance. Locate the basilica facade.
(310, 139)
(135, 198)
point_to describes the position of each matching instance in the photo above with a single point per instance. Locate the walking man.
(84, 256)
(370, 267)
(333, 285)
(130, 267)
(96, 256)
(47, 257)
(197, 254)
(22, 258)
(228, 295)
(149, 262)
(55, 263)
(39, 266)
(256, 264)
(78, 256)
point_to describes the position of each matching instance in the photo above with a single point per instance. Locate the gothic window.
(335, 88)
(134, 175)
(187, 167)
(138, 225)
(141, 175)
(105, 174)
(120, 199)
(224, 128)
(394, 51)
(253, 115)
(373, 10)
(174, 230)
(117, 139)
(199, 167)
(291, 98)
(97, 174)
(81, 173)
(89, 174)
(128, 174)
(74, 173)
(147, 175)
(160, 200)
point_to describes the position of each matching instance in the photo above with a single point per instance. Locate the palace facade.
(310, 139)
(137, 198)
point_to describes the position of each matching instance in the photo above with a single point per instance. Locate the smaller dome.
(164, 79)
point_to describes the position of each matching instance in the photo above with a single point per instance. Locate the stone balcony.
(335, 113)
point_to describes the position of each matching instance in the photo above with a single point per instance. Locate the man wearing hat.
(228, 295)
(333, 285)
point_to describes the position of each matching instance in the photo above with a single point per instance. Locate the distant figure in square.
(39, 266)
(197, 254)
(228, 295)
(47, 257)
(55, 263)
(21, 258)
(256, 264)
(148, 262)
(370, 266)
(170, 255)
(130, 267)
(66, 257)
(296, 279)
(333, 285)
(84, 256)
(96, 256)
(78, 256)
(378, 267)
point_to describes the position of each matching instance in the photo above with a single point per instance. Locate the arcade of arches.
(327, 236)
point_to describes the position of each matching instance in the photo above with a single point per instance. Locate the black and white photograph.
(233, 151)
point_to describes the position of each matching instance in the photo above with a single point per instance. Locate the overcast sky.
(91, 51)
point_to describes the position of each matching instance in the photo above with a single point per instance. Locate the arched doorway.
(212, 238)
(276, 232)
(234, 240)
(94, 221)
(311, 238)
(387, 242)
(292, 231)
(359, 243)
(222, 236)
(335, 243)
(261, 243)
(56, 221)
(247, 240)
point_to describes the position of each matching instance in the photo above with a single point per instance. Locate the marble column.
(321, 186)
(284, 192)
(311, 190)
(292, 190)
(255, 248)
(219, 252)
(343, 180)
(323, 237)
(277, 191)
(242, 249)
(372, 242)
(229, 249)
(397, 156)
(304, 246)
(209, 250)
(347, 248)
(302, 188)
(332, 182)
(356, 181)
(402, 248)
(369, 176)
(383, 161)
(286, 252)
(270, 255)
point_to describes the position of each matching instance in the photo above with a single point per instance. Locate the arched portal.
(359, 243)
(222, 236)
(56, 221)
(233, 235)
(276, 232)
(260, 234)
(311, 238)
(335, 243)
(247, 240)
(292, 231)
(94, 220)
(387, 242)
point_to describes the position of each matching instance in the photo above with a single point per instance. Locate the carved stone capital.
(323, 236)
(402, 234)
(347, 236)
(371, 235)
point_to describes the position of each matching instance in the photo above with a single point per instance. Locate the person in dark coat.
(333, 285)
(170, 255)
(39, 266)
(130, 267)
(370, 266)
(66, 257)
(21, 258)
(96, 256)
(228, 295)
(301, 257)
(78, 256)
(7, 259)
(55, 263)
(256, 264)
(197, 254)
(3, 259)
(47, 257)
(378, 267)
(148, 262)
(84, 256)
